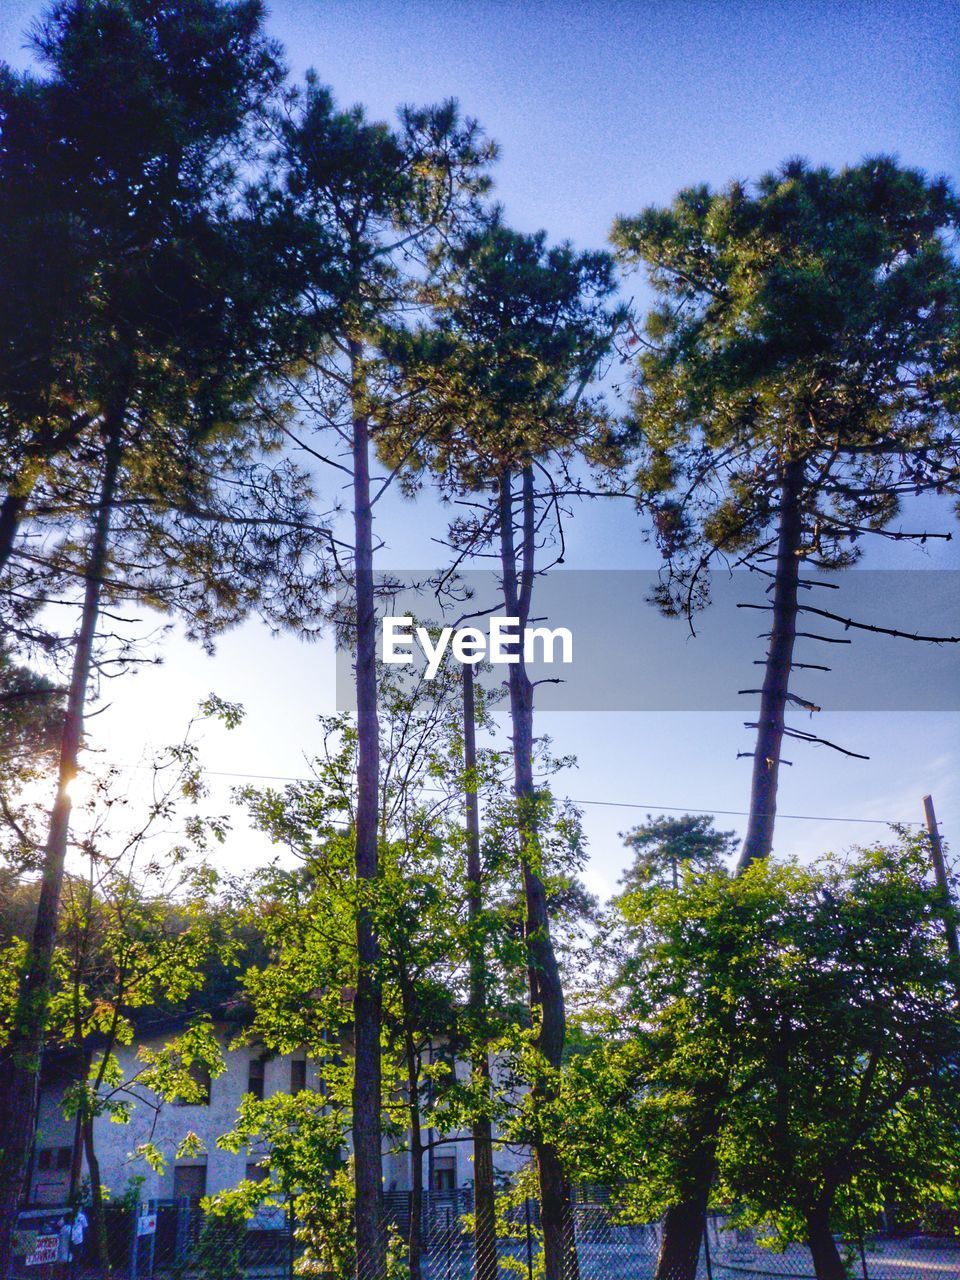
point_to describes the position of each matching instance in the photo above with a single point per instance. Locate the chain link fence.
(167, 1240)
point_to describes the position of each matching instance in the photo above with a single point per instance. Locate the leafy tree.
(664, 847)
(138, 932)
(796, 382)
(150, 107)
(798, 1020)
(129, 162)
(303, 1142)
(306, 995)
(367, 203)
(494, 400)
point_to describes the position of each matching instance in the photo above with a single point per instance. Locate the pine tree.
(367, 204)
(150, 106)
(797, 381)
(498, 384)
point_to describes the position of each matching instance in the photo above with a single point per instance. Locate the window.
(200, 1075)
(445, 1173)
(256, 1173)
(255, 1078)
(59, 1158)
(190, 1182)
(298, 1074)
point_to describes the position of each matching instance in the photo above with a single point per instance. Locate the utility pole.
(948, 911)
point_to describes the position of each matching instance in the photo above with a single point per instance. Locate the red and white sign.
(45, 1249)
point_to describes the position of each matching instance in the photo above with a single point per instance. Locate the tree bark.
(758, 842)
(21, 1058)
(827, 1263)
(682, 1235)
(98, 1219)
(683, 1223)
(543, 972)
(484, 1198)
(415, 1235)
(11, 510)
(367, 1006)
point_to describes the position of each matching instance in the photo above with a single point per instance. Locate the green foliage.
(301, 1145)
(218, 1251)
(665, 847)
(517, 330)
(814, 318)
(798, 1017)
(31, 716)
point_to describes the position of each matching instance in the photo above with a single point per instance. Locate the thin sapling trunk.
(482, 1129)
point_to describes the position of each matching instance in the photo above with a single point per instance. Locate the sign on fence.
(45, 1249)
(146, 1224)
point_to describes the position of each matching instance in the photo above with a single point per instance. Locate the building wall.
(167, 1127)
(53, 1149)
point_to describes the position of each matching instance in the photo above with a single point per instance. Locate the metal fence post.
(152, 1251)
(706, 1246)
(526, 1210)
(290, 1237)
(863, 1252)
(135, 1242)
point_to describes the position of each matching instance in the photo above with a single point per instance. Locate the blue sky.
(601, 108)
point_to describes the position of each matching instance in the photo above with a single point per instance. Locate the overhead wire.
(610, 804)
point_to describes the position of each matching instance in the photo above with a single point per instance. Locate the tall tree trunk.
(681, 1240)
(367, 1006)
(683, 1224)
(20, 1062)
(827, 1263)
(484, 1206)
(98, 1218)
(415, 1235)
(76, 1161)
(545, 988)
(776, 678)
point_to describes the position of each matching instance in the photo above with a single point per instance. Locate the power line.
(606, 804)
(745, 813)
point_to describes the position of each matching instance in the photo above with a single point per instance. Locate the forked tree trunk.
(827, 1263)
(545, 988)
(21, 1059)
(484, 1199)
(367, 1006)
(758, 842)
(682, 1237)
(683, 1224)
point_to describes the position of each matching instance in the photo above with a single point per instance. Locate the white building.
(249, 1069)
